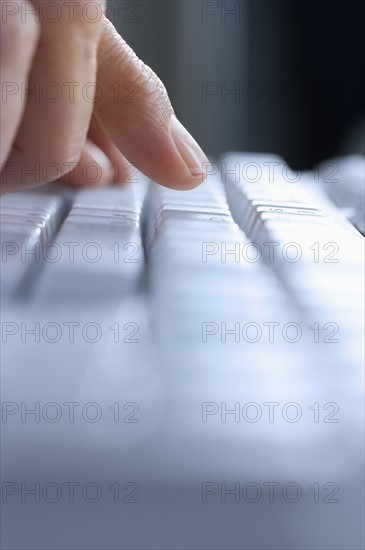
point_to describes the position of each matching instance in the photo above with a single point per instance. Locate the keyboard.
(185, 369)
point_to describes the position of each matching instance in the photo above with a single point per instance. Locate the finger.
(100, 164)
(61, 91)
(135, 111)
(15, 62)
(122, 169)
(94, 168)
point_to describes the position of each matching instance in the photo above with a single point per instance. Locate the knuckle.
(155, 98)
(150, 85)
(130, 75)
(151, 94)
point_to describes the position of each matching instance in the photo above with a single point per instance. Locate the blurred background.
(279, 76)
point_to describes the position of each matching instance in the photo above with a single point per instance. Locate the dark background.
(296, 69)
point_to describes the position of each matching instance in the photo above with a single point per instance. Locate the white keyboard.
(181, 368)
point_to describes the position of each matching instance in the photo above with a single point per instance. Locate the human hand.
(75, 95)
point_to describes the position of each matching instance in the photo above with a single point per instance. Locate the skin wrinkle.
(132, 69)
(132, 128)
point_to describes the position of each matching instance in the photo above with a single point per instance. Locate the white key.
(124, 198)
(342, 179)
(100, 248)
(292, 226)
(28, 221)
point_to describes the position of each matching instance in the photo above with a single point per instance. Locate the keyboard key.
(28, 222)
(312, 231)
(342, 179)
(100, 248)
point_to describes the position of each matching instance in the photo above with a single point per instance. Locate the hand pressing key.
(64, 76)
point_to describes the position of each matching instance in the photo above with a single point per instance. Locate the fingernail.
(190, 151)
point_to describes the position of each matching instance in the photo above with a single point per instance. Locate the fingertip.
(191, 153)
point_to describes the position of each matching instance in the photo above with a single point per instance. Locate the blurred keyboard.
(187, 342)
